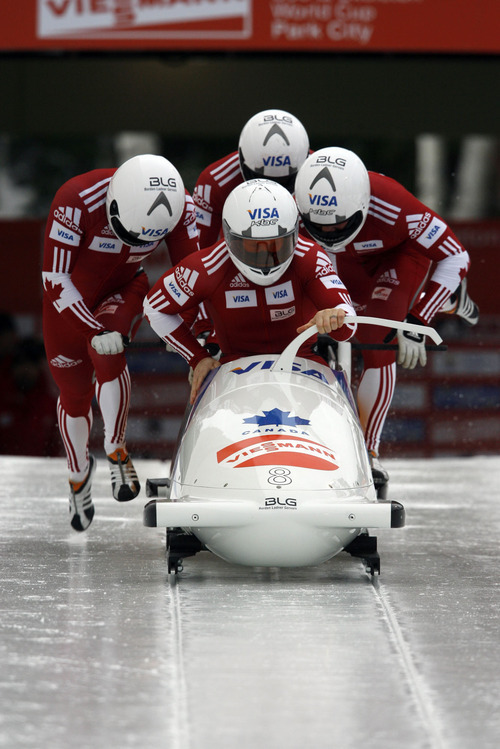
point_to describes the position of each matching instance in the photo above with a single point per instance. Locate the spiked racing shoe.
(81, 507)
(461, 304)
(124, 481)
(380, 476)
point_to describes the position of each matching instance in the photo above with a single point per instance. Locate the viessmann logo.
(143, 19)
(272, 450)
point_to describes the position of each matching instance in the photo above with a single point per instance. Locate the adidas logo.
(239, 282)
(390, 276)
(186, 278)
(70, 217)
(324, 266)
(63, 362)
(417, 223)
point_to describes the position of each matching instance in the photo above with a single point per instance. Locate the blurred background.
(412, 87)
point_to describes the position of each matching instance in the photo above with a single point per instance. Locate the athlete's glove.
(213, 350)
(108, 342)
(411, 349)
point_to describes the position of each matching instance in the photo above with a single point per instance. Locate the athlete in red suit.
(272, 145)
(260, 285)
(398, 259)
(101, 226)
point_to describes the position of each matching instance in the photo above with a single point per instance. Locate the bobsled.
(271, 467)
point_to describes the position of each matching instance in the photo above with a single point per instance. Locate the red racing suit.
(248, 319)
(212, 187)
(93, 282)
(405, 260)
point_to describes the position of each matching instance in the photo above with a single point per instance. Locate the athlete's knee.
(76, 404)
(378, 359)
(110, 367)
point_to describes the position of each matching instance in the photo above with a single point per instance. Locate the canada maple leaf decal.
(278, 417)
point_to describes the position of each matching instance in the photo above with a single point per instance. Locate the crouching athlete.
(261, 285)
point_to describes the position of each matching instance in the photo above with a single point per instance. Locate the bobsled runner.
(271, 468)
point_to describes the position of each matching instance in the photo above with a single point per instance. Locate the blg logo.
(160, 182)
(276, 118)
(328, 160)
(279, 502)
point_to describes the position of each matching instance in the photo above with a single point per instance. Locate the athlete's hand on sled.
(411, 346)
(199, 373)
(326, 320)
(108, 342)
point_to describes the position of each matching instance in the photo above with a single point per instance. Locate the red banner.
(421, 26)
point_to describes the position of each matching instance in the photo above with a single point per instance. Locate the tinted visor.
(127, 237)
(288, 181)
(262, 253)
(330, 234)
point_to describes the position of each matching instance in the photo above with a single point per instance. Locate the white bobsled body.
(271, 467)
(284, 447)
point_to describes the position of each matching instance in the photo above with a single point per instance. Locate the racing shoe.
(81, 507)
(379, 475)
(462, 305)
(124, 479)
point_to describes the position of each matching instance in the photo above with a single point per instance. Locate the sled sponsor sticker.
(279, 503)
(268, 363)
(270, 449)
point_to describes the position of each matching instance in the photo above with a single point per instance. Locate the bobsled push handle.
(285, 362)
(397, 325)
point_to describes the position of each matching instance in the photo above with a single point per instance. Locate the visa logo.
(106, 245)
(174, 290)
(246, 299)
(432, 232)
(277, 161)
(276, 294)
(259, 213)
(153, 232)
(64, 234)
(268, 363)
(323, 200)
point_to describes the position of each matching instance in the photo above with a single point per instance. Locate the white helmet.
(145, 199)
(260, 223)
(333, 187)
(273, 144)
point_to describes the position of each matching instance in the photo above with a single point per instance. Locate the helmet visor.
(333, 235)
(287, 181)
(125, 236)
(263, 254)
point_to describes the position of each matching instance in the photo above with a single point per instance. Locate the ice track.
(100, 649)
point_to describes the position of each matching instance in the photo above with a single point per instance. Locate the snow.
(100, 649)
